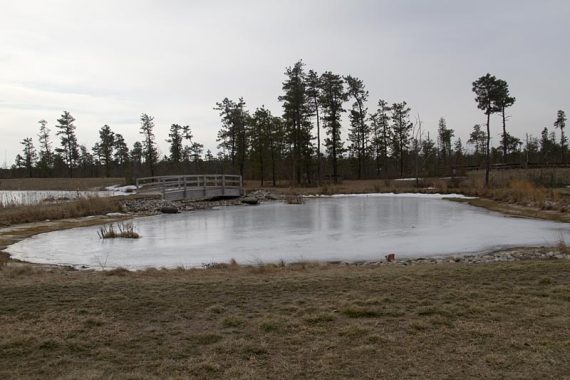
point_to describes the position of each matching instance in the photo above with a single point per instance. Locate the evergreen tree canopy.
(69, 146)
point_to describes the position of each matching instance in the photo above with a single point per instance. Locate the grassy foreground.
(425, 321)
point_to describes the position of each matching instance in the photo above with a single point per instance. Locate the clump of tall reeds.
(124, 230)
(294, 199)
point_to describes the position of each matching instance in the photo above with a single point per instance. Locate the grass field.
(503, 320)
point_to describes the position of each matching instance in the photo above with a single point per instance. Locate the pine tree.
(381, 134)
(313, 90)
(193, 152)
(276, 145)
(444, 136)
(69, 148)
(176, 143)
(85, 160)
(45, 162)
(359, 133)
(429, 152)
(121, 155)
(209, 157)
(547, 145)
(332, 99)
(105, 147)
(401, 128)
(504, 100)
(260, 123)
(487, 90)
(29, 156)
(149, 149)
(262, 134)
(137, 153)
(477, 138)
(296, 113)
(232, 137)
(560, 123)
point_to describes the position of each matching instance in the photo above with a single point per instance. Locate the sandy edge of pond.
(13, 234)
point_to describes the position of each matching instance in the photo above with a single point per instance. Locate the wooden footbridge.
(192, 187)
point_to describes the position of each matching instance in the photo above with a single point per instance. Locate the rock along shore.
(151, 206)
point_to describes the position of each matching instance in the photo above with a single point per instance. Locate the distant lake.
(346, 228)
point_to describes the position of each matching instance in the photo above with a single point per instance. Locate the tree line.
(386, 141)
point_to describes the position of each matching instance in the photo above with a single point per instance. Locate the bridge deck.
(192, 187)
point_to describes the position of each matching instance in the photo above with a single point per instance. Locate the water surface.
(350, 228)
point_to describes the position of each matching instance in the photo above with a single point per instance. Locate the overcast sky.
(108, 61)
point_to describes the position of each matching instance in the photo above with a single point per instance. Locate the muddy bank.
(501, 255)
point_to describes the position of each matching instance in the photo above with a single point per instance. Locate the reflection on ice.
(326, 229)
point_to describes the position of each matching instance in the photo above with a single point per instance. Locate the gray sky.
(109, 61)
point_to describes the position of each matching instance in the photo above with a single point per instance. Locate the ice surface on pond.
(337, 228)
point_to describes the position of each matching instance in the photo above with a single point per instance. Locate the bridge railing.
(176, 183)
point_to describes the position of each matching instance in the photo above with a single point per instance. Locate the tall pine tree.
(333, 97)
(359, 133)
(149, 149)
(69, 147)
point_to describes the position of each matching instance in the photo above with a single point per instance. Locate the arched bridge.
(192, 187)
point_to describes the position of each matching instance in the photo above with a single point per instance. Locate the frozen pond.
(350, 228)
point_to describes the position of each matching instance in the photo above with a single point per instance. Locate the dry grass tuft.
(124, 230)
(294, 199)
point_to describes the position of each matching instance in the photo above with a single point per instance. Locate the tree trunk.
(563, 144)
(318, 149)
(362, 142)
(334, 143)
(273, 167)
(261, 164)
(488, 152)
(401, 161)
(504, 137)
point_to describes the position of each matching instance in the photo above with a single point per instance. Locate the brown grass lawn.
(504, 320)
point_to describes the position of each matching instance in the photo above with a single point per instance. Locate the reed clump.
(294, 199)
(124, 230)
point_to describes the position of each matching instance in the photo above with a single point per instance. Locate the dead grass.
(504, 320)
(71, 209)
(70, 184)
(547, 177)
(294, 199)
(125, 230)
